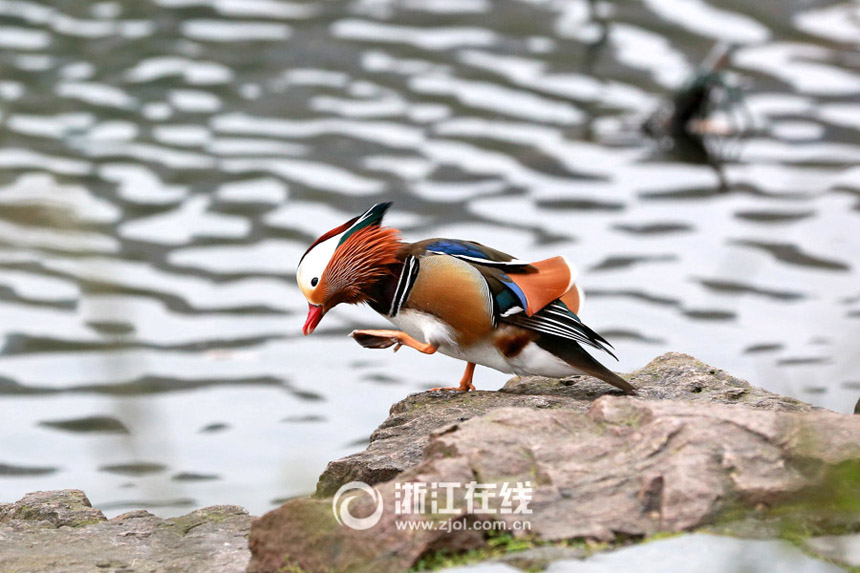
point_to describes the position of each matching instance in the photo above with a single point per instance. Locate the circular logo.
(341, 509)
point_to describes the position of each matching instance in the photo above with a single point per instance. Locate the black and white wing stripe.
(404, 284)
(557, 320)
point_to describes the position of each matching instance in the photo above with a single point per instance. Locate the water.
(164, 164)
(704, 552)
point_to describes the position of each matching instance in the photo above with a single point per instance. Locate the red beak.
(315, 314)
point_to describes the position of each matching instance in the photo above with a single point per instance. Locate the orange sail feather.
(553, 280)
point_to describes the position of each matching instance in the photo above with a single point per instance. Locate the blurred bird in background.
(706, 117)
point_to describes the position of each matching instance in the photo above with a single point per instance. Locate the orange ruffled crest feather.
(359, 262)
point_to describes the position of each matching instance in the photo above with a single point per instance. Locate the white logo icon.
(341, 510)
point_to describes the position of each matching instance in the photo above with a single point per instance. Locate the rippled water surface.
(164, 164)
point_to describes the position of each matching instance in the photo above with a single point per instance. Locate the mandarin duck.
(456, 297)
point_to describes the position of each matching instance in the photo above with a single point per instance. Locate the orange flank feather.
(454, 292)
(551, 281)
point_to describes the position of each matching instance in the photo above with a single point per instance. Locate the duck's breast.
(455, 293)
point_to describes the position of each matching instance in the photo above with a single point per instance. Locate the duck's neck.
(381, 294)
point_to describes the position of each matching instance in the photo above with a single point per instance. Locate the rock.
(69, 507)
(397, 444)
(60, 531)
(671, 376)
(697, 450)
(697, 447)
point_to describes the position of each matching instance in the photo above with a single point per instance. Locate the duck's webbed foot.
(387, 338)
(465, 381)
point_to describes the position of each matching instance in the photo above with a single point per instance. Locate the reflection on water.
(165, 163)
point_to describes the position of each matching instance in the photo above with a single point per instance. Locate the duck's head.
(343, 264)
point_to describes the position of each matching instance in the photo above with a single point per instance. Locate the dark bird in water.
(456, 297)
(706, 118)
(707, 90)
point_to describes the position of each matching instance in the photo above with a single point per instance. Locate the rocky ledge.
(60, 531)
(697, 450)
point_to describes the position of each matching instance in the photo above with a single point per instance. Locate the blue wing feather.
(458, 248)
(511, 287)
(512, 295)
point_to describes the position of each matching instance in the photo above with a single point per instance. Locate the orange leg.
(386, 338)
(465, 381)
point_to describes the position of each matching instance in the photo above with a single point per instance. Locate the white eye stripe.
(315, 263)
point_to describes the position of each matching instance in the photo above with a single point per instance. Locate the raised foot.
(369, 339)
(387, 338)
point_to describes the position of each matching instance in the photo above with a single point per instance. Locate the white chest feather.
(531, 360)
(425, 327)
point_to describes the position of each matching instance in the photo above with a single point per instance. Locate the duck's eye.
(314, 281)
